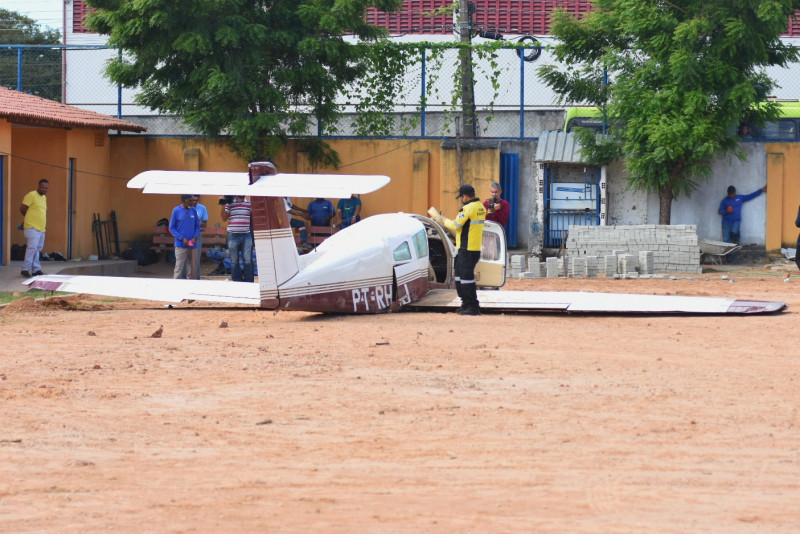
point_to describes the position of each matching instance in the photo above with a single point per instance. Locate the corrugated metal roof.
(31, 110)
(558, 147)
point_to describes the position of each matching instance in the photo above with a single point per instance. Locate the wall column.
(775, 193)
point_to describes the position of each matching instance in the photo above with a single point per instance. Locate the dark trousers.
(467, 289)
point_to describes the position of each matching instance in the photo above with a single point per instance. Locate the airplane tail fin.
(276, 251)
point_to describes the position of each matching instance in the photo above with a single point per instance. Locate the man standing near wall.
(184, 225)
(240, 238)
(34, 209)
(731, 210)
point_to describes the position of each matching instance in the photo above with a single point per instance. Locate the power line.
(61, 168)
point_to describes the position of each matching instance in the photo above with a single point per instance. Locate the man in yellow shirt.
(34, 209)
(468, 228)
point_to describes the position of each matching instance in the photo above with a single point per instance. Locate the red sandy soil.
(241, 420)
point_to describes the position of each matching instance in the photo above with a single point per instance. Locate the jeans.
(297, 223)
(241, 243)
(35, 240)
(730, 231)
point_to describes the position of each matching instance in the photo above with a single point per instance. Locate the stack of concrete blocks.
(551, 265)
(518, 265)
(646, 262)
(675, 248)
(536, 268)
(626, 265)
(564, 261)
(579, 268)
(584, 267)
(610, 265)
(592, 266)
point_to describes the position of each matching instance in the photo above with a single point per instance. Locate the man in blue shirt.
(184, 225)
(321, 212)
(349, 210)
(731, 210)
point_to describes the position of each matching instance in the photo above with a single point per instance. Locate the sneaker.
(26, 274)
(469, 311)
(38, 273)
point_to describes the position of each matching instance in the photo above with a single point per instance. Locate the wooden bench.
(213, 236)
(316, 234)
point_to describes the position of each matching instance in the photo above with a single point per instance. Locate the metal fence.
(520, 108)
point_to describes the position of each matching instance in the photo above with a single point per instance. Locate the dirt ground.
(241, 420)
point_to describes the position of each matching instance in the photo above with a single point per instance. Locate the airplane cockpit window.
(402, 252)
(421, 244)
(491, 246)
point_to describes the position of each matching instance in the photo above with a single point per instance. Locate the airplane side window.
(421, 244)
(402, 252)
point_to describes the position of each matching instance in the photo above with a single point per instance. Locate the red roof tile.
(22, 108)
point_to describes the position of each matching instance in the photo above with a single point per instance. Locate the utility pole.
(466, 8)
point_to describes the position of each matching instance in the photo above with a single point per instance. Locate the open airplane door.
(491, 269)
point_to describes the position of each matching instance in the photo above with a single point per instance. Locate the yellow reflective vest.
(468, 225)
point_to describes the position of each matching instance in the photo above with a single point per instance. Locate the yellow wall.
(90, 155)
(783, 194)
(137, 213)
(422, 175)
(415, 168)
(8, 204)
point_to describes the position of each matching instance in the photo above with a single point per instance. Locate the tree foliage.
(393, 76)
(41, 67)
(257, 70)
(683, 74)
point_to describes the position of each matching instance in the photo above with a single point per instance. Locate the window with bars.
(509, 16)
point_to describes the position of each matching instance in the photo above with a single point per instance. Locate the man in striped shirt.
(240, 238)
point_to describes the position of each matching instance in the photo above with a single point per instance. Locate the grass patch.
(10, 296)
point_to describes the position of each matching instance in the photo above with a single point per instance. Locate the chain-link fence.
(511, 104)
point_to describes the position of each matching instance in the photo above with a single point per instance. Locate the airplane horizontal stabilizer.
(237, 183)
(158, 289)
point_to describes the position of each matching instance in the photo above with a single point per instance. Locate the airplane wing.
(159, 289)
(586, 302)
(237, 183)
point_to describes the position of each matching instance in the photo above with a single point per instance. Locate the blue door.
(509, 181)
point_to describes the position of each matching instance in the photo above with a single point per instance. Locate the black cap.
(731, 189)
(466, 190)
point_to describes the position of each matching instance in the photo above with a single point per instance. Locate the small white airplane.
(385, 263)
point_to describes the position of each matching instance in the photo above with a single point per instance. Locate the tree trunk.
(665, 197)
(470, 123)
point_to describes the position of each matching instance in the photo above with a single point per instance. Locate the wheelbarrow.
(717, 252)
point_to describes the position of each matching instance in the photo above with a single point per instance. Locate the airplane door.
(491, 268)
(410, 281)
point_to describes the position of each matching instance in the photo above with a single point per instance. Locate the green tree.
(684, 73)
(41, 66)
(257, 70)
